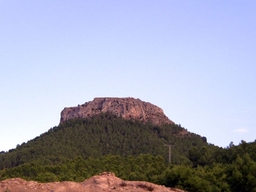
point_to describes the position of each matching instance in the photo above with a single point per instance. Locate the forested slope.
(80, 148)
(102, 135)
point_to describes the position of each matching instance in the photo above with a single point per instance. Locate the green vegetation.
(103, 135)
(81, 148)
(237, 176)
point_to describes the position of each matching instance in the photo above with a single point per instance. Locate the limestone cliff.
(127, 108)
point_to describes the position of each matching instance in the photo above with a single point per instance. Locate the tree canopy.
(80, 148)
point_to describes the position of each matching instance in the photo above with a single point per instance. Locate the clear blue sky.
(194, 59)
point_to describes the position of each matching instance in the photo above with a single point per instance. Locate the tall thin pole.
(170, 152)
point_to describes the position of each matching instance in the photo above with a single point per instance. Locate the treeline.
(81, 148)
(238, 176)
(103, 135)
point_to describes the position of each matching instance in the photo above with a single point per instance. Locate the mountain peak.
(127, 108)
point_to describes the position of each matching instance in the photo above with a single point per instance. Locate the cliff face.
(127, 108)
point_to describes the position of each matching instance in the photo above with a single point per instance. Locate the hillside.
(100, 135)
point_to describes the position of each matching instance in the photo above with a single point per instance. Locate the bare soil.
(104, 182)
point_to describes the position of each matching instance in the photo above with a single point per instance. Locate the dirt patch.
(104, 182)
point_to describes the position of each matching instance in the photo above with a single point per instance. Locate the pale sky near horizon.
(194, 59)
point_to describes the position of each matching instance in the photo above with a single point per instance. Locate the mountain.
(136, 141)
(107, 126)
(127, 108)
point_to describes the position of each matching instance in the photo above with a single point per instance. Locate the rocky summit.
(127, 108)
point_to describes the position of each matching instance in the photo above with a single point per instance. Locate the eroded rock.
(127, 108)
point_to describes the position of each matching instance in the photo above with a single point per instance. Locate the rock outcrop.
(127, 108)
(98, 183)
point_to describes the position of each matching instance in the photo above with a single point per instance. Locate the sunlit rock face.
(127, 108)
